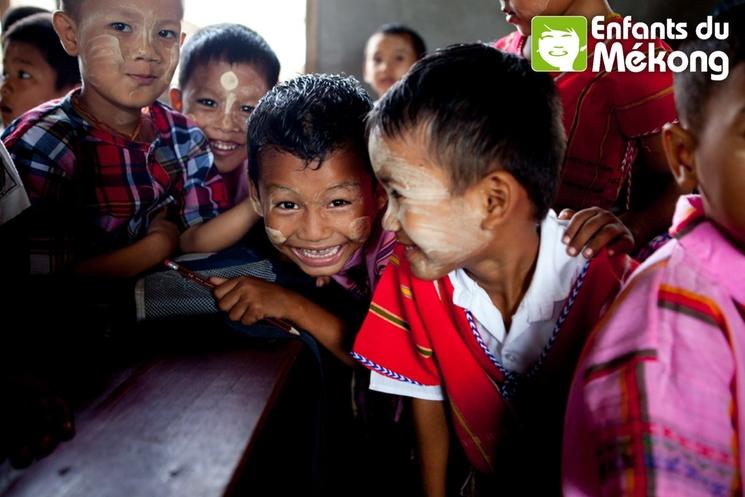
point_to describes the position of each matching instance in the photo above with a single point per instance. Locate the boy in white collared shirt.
(481, 314)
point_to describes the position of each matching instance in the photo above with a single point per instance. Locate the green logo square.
(558, 43)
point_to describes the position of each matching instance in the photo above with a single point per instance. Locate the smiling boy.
(112, 185)
(481, 312)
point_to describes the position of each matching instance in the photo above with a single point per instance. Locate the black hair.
(480, 109)
(395, 28)
(693, 90)
(37, 30)
(72, 7)
(310, 117)
(15, 14)
(231, 43)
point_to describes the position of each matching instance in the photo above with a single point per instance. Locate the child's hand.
(593, 229)
(249, 300)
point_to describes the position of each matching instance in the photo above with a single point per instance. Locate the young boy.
(311, 181)
(225, 69)
(389, 53)
(481, 312)
(113, 186)
(611, 119)
(35, 67)
(656, 407)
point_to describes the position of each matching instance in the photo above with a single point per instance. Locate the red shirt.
(605, 113)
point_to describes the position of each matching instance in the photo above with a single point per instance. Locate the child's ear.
(67, 30)
(497, 190)
(176, 102)
(253, 197)
(680, 147)
(183, 39)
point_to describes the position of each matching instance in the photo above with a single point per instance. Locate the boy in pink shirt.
(656, 404)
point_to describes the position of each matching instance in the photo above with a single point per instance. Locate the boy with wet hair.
(312, 183)
(35, 66)
(112, 185)
(481, 312)
(657, 405)
(225, 69)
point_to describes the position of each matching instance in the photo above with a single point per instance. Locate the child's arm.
(160, 242)
(220, 232)
(593, 229)
(249, 300)
(433, 439)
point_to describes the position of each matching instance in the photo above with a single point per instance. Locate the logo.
(559, 43)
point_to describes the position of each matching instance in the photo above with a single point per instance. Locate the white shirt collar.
(554, 274)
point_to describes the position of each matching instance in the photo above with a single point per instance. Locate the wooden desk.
(179, 422)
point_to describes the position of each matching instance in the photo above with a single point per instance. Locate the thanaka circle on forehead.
(229, 81)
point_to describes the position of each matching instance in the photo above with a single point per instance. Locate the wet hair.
(310, 117)
(693, 90)
(480, 109)
(398, 29)
(37, 30)
(15, 14)
(231, 43)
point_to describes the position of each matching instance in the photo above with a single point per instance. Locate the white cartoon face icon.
(559, 48)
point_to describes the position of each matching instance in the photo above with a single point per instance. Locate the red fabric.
(604, 115)
(413, 330)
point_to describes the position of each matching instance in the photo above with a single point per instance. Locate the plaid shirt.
(93, 191)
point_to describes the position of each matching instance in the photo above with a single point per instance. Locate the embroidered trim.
(512, 379)
(380, 369)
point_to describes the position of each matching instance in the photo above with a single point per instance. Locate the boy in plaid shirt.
(114, 177)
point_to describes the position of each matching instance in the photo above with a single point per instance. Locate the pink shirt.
(660, 388)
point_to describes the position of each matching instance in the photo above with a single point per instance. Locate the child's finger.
(622, 245)
(223, 286)
(216, 280)
(566, 214)
(611, 236)
(584, 225)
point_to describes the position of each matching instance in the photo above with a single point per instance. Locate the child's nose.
(315, 227)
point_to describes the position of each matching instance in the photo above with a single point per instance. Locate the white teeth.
(225, 146)
(320, 254)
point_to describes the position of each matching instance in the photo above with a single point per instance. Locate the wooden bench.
(179, 420)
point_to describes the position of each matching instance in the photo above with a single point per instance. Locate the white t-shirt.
(533, 322)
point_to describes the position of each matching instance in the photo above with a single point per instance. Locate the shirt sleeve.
(205, 195)
(393, 340)
(652, 412)
(384, 384)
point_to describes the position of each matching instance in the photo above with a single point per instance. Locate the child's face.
(220, 97)
(317, 217)
(387, 58)
(28, 80)
(128, 50)
(441, 231)
(519, 13)
(719, 156)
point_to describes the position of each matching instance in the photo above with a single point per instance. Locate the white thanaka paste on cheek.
(443, 226)
(360, 229)
(275, 236)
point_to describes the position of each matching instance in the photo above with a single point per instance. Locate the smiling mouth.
(558, 53)
(318, 257)
(219, 146)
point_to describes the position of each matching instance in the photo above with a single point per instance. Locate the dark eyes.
(247, 108)
(207, 102)
(286, 205)
(120, 26)
(339, 202)
(167, 34)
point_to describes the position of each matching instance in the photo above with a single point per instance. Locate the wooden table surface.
(178, 423)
